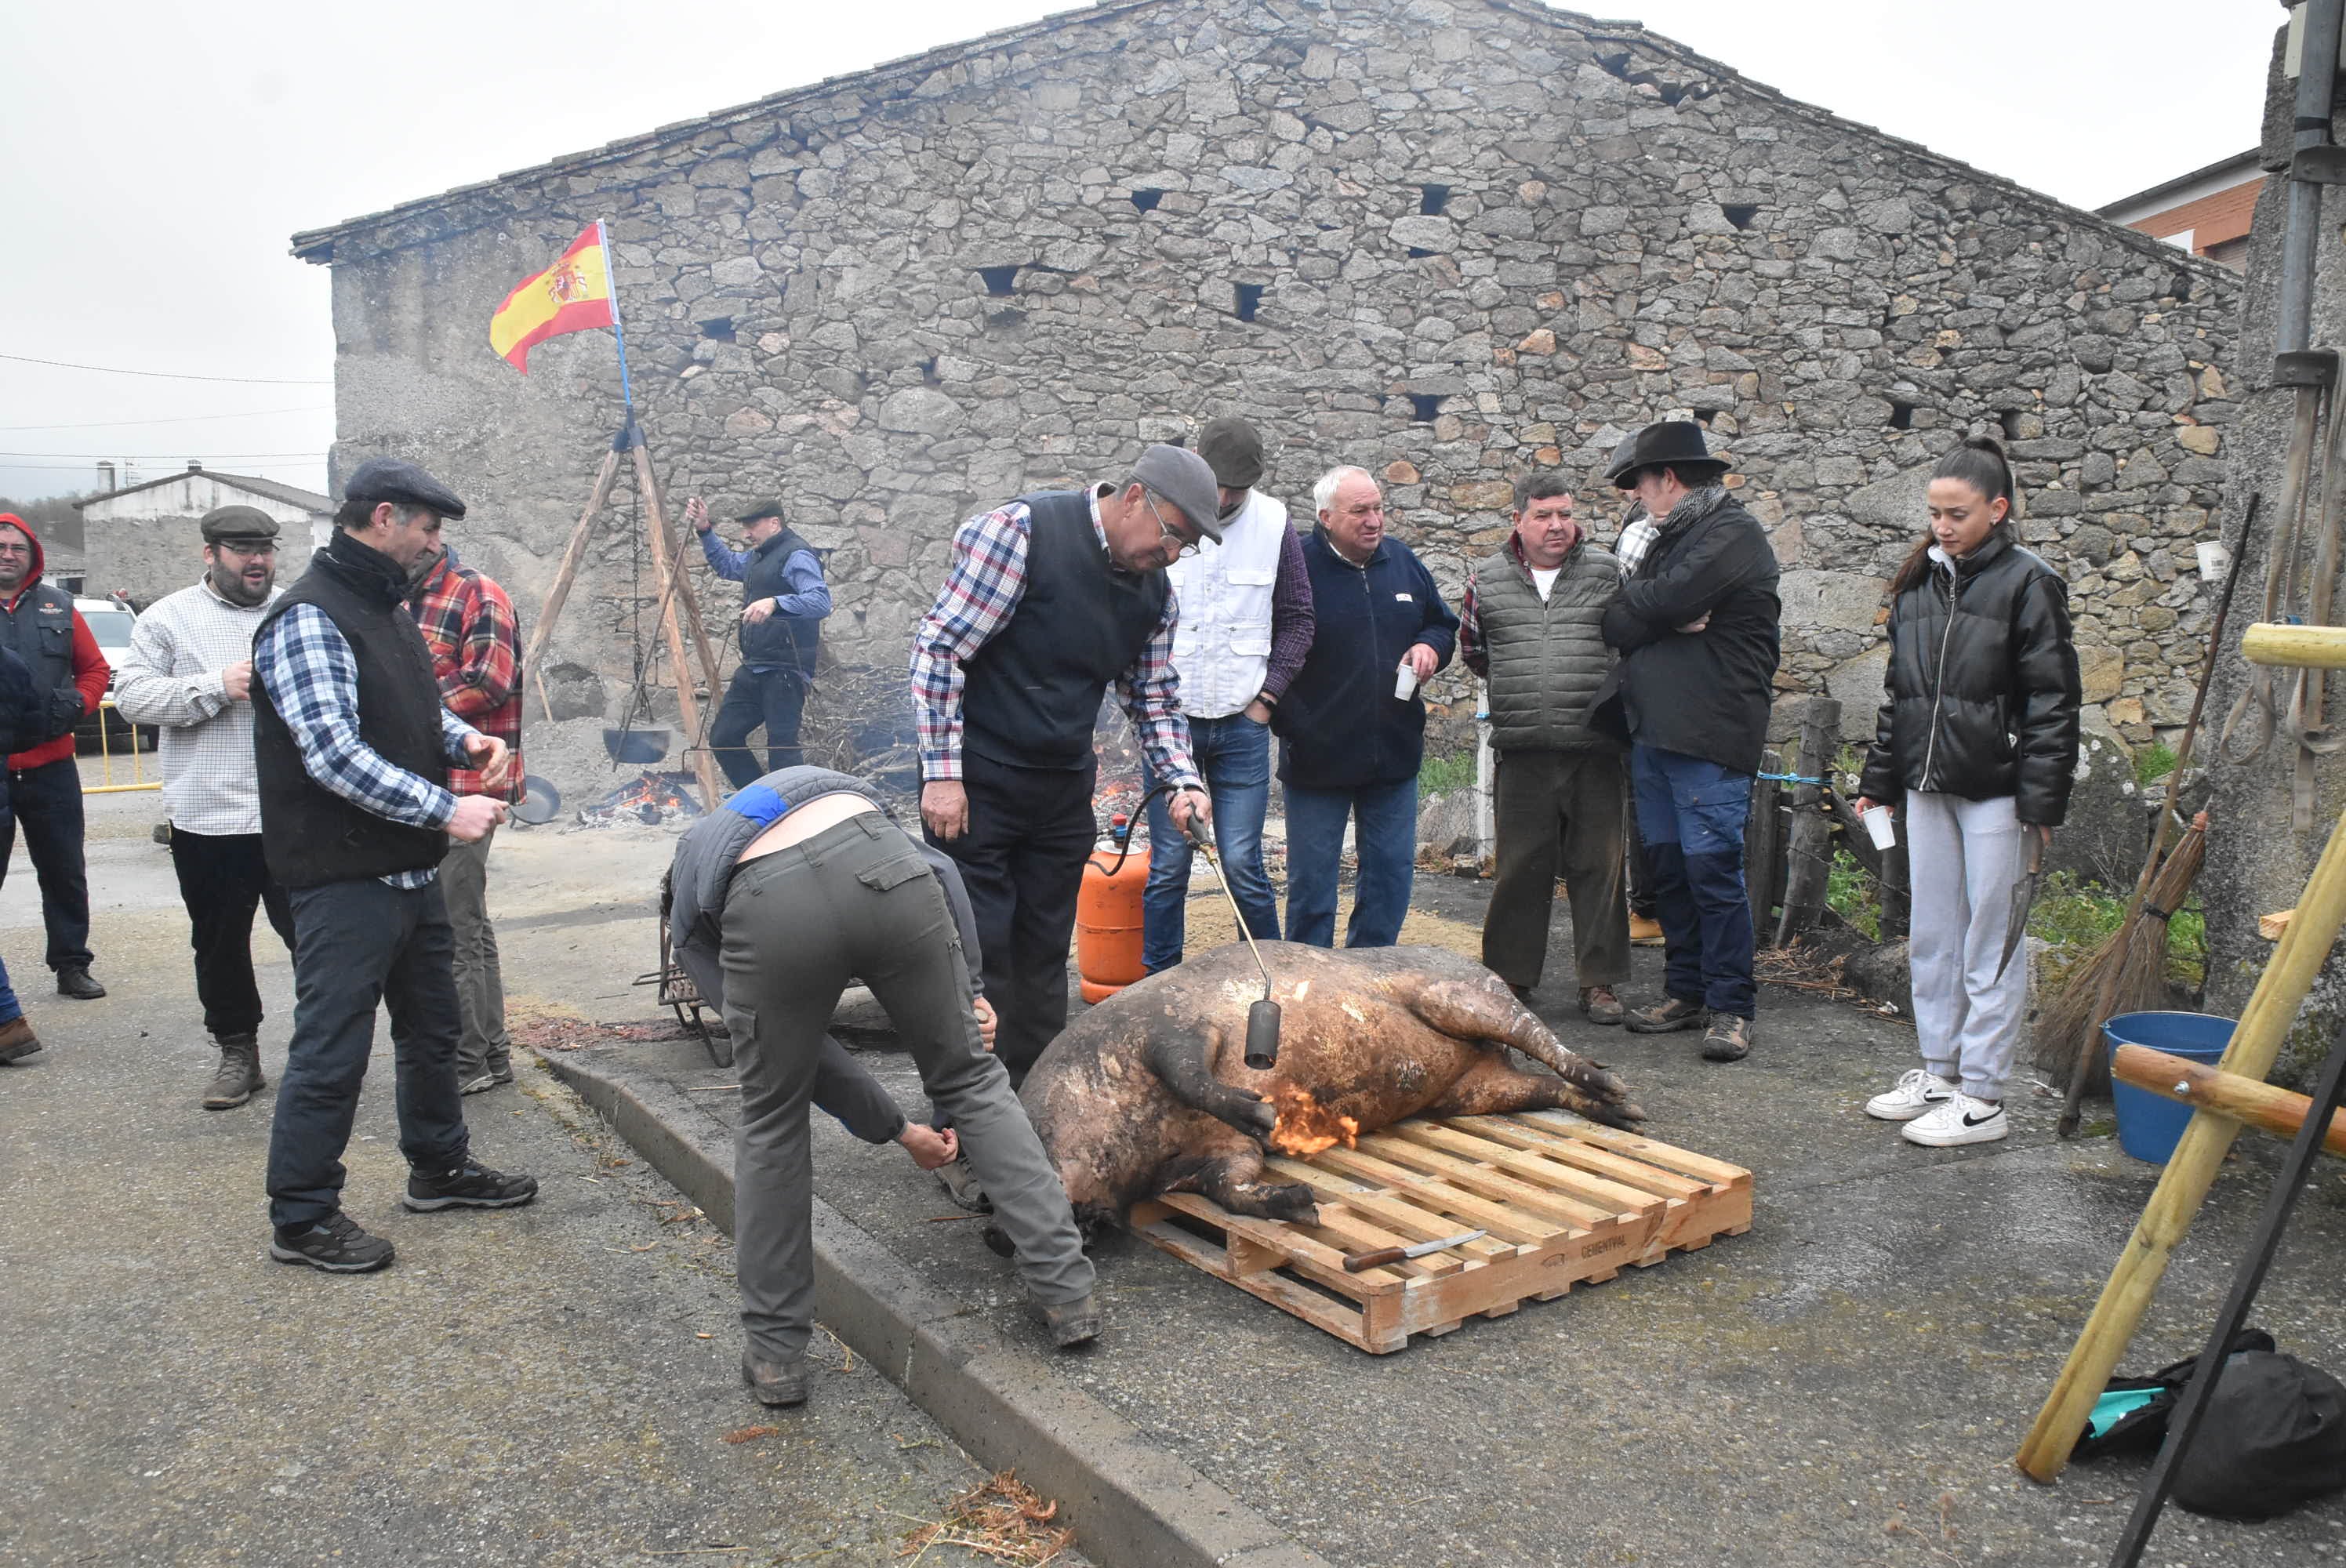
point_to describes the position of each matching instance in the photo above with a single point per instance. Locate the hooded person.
(39, 624)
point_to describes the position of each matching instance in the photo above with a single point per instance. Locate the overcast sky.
(155, 155)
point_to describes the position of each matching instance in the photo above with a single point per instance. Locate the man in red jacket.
(38, 621)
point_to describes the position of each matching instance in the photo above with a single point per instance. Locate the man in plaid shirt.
(1052, 600)
(469, 625)
(189, 674)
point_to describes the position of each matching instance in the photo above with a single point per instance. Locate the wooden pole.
(687, 705)
(1809, 858)
(1761, 848)
(2183, 1185)
(2218, 1093)
(571, 555)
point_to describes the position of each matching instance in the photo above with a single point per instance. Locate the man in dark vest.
(783, 602)
(1052, 599)
(1532, 627)
(351, 749)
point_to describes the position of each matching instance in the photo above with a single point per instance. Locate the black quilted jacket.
(1983, 692)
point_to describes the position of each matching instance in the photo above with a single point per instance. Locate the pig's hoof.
(1292, 1201)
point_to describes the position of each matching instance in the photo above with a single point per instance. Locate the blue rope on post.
(1793, 779)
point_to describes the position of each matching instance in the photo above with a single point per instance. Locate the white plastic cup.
(2215, 560)
(1880, 827)
(1405, 682)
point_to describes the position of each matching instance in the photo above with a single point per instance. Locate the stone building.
(1448, 240)
(143, 541)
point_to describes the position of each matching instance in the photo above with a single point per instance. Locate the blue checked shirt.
(306, 665)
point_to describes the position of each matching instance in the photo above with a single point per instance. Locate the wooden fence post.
(1897, 888)
(1809, 854)
(1763, 850)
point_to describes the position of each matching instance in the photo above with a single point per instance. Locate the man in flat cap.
(352, 748)
(189, 674)
(1246, 624)
(42, 786)
(783, 602)
(1696, 625)
(1052, 598)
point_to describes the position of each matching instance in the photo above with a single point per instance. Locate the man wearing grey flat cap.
(1052, 598)
(352, 748)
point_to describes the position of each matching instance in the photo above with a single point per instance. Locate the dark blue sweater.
(1340, 726)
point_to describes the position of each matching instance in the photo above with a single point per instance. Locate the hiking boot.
(1958, 1119)
(961, 1185)
(334, 1243)
(1670, 1013)
(77, 984)
(1728, 1038)
(472, 1185)
(1071, 1323)
(1598, 1004)
(779, 1384)
(1645, 931)
(18, 1039)
(486, 1079)
(1918, 1090)
(239, 1075)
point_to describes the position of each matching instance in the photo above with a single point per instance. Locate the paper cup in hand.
(1880, 827)
(1405, 682)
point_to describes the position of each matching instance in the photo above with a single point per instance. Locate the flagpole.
(618, 334)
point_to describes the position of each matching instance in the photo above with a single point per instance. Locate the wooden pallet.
(1566, 1202)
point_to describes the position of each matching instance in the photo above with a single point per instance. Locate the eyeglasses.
(247, 552)
(1182, 548)
(16, 549)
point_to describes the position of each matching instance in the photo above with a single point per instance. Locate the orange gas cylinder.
(1107, 918)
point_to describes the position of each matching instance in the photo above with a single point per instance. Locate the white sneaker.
(1959, 1119)
(1918, 1090)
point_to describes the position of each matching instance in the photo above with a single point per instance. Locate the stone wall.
(148, 557)
(1448, 240)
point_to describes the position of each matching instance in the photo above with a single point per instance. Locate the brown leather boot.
(239, 1075)
(1599, 1004)
(18, 1039)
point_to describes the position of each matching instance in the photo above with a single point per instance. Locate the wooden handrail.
(2222, 1094)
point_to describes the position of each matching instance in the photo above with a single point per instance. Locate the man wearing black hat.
(1696, 625)
(1052, 598)
(190, 675)
(1246, 626)
(351, 748)
(783, 602)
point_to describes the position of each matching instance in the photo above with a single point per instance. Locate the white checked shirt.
(1637, 538)
(172, 680)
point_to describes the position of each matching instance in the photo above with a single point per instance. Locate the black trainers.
(473, 1186)
(77, 984)
(334, 1243)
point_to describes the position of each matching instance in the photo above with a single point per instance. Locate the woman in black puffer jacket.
(1979, 735)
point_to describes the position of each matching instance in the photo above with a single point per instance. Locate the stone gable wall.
(1479, 238)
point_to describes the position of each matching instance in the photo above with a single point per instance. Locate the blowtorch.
(1263, 1018)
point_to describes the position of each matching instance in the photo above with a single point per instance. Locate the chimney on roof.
(194, 467)
(108, 469)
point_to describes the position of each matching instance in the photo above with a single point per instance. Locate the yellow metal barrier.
(138, 779)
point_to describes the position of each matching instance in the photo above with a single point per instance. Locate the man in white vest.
(1246, 624)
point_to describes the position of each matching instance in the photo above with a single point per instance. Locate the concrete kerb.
(1132, 1502)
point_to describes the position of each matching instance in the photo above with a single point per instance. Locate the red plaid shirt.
(476, 642)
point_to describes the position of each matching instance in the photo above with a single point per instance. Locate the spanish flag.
(571, 296)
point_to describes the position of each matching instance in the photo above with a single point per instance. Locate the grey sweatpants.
(857, 902)
(1963, 858)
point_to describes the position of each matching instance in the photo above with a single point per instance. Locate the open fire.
(651, 799)
(1305, 1126)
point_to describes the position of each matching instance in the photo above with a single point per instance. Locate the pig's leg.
(1183, 1061)
(1469, 1009)
(1231, 1175)
(1492, 1087)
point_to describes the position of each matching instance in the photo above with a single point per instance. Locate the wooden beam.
(2297, 647)
(688, 706)
(1762, 849)
(1808, 858)
(563, 574)
(2218, 1093)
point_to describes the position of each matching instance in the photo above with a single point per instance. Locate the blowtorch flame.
(1304, 1127)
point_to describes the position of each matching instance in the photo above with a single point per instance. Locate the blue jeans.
(10, 1008)
(1385, 840)
(1691, 813)
(1234, 754)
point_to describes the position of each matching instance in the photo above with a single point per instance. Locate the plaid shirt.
(468, 623)
(988, 578)
(1637, 537)
(172, 681)
(306, 665)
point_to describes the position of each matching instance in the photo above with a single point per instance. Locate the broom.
(2065, 1030)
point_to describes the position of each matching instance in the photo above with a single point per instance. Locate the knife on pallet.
(1385, 1255)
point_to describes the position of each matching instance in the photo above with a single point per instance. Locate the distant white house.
(142, 541)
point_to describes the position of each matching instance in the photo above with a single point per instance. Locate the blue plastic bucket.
(2149, 1125)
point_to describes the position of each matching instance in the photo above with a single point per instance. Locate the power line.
(318, 462)
(165, 375)
(167, 456)
(187, 419)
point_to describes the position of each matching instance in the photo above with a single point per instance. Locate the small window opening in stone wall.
(2180, 288)
(1740, 214)
(1423, 406)
(1005, 321)
(1147, 200)
(1901, 416)
(1671, 93)
(2009, 420)
(1703, 417)
(1248, 297)
(1433, 198)
(721, 328)
(998, 280)
(1418, 252)
(929, 374)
